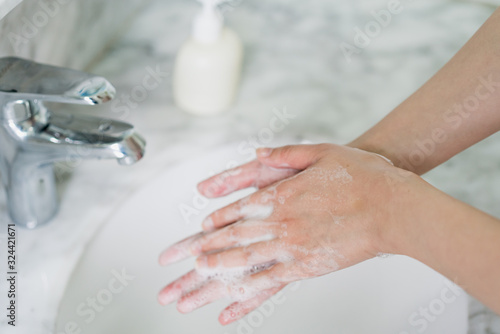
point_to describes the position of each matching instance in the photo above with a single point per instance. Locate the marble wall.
(7, 5)
(71, 33)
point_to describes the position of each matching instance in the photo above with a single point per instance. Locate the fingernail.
(207, 190)
(165, 298)
(227, 317)
(264, 152)
(185, 306)
(165, 259)
(172, 255)
(208, 224)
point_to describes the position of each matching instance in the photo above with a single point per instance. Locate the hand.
(329, 210)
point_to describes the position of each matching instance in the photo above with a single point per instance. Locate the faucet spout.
(32, 138)
(83, 137)
(132, 149)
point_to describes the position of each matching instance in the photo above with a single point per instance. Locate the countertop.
(292, 62)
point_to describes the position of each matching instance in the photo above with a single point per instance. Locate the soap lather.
(208, 66)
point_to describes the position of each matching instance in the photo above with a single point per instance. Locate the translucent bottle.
(208, 65)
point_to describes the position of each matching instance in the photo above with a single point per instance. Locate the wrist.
(370, 144)
(400, 150)
(414, 204)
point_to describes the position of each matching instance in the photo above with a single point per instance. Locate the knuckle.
(281, 189)
(246, 252)
(285, 152)
(204, 245)
(324, 148)
(216, 217)
(212, 261)
(233, 232)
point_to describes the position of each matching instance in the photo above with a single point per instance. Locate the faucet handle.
(22, 79)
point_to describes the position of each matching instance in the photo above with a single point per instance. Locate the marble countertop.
(292, 62)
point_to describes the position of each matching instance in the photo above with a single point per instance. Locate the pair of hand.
(319, 209)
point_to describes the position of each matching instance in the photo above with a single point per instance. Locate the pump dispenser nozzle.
(208, 24)
(208, 65)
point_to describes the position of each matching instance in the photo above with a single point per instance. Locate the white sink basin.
(394, 295)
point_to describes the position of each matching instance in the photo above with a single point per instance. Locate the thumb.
(295, 156)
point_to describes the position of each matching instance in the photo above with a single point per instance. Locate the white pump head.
(208, 24)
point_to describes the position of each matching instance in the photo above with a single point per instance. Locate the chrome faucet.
(32, 138)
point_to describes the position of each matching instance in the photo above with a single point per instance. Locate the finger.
(178, 251)
(269, 276)
(206, 294)
(227, 215)
(240, 257)
(239, 210)
(242, 233)
(180, 287)
(252, 174)
(238, 310)
(227, 285)
(297, 157)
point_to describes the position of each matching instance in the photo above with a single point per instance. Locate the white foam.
(233, 279)
(243, 242)
(256, 211)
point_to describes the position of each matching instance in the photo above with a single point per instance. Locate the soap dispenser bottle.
(208, 65)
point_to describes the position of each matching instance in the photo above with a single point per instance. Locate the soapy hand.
(320, 208)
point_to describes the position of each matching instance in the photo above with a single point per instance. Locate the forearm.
(454, 238)
(455, 109)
